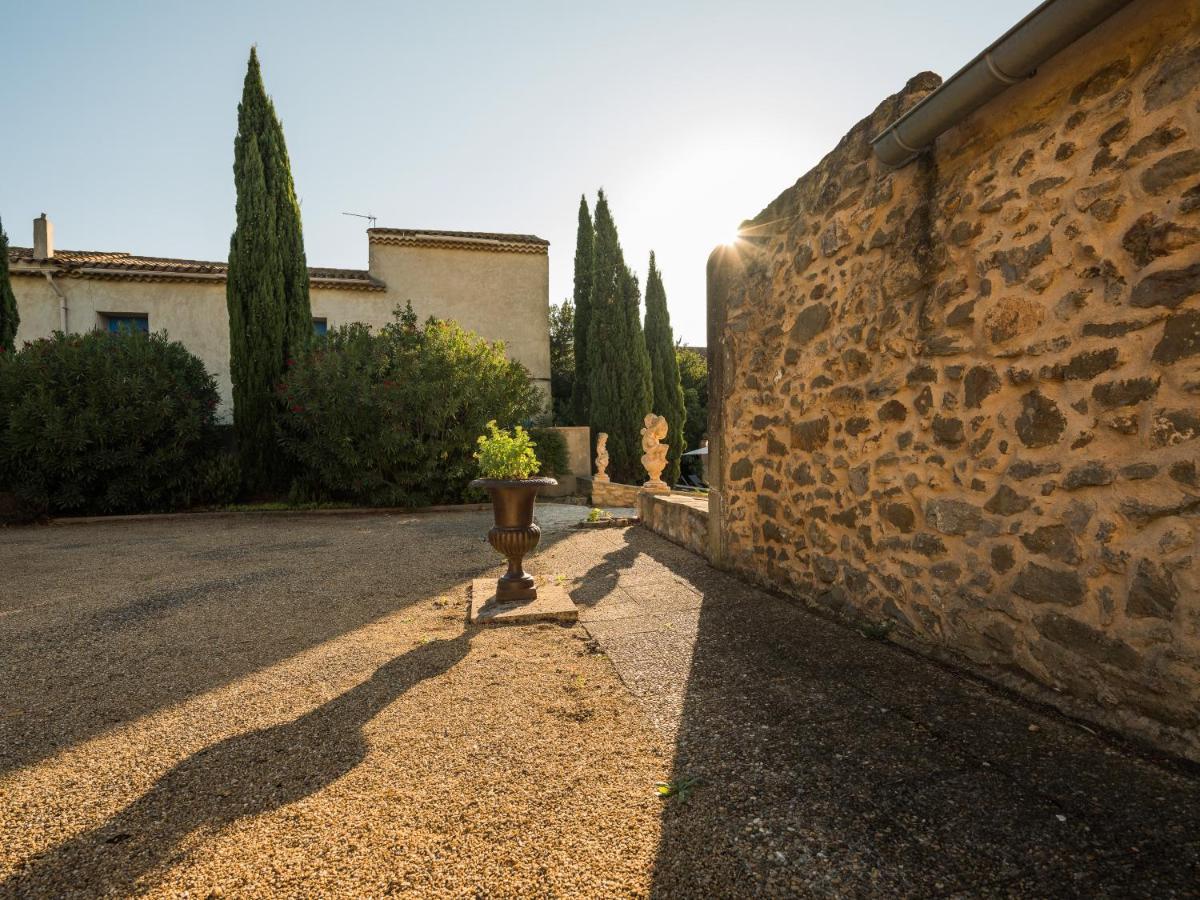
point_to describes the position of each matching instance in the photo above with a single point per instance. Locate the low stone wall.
(567, 485)
(964, 395)
(610, 493)
(680, 518)
(579, 448)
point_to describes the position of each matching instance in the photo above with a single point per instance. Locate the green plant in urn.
(506, 463)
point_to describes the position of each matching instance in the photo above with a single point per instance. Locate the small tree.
(10, 318)
(562, 360)
(618, 366)
(270, 317)
(664, 369)
(581, 387)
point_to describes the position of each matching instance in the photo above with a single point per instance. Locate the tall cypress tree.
(584, 238)
(10, 318)
(617, 360)
(664, 369)
(270, 317)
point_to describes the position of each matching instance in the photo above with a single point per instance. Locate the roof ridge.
(478, 235)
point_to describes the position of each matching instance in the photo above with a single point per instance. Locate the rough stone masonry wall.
(964, 396)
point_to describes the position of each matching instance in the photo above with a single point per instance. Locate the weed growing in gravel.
(877, 631)
(680, 788)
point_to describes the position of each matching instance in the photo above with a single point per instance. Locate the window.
(118, 322)
(320, 327)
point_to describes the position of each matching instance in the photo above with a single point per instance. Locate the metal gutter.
(1010, 59)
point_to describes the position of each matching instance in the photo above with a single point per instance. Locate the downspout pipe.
(1010, 59)
(62, 302)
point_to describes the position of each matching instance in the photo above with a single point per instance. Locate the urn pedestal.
(514, 533)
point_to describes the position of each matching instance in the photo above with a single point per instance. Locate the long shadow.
(226, 598)
(812, 760)
(245, 775)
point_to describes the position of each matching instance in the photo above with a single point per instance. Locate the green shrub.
(390, 418)
(217, 480)
(506, 454)
(104, 423)
(551, 451)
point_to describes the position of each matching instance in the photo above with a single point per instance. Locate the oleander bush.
(105, 423)
(551, 451)
(391, 417)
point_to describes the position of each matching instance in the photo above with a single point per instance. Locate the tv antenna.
(366, 216)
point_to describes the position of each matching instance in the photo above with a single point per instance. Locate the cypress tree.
(581, 389)
(10, 318)
(664, 369)
(267, 292)
(617, 361)
(270, 317)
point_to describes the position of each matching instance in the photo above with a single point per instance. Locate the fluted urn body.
(514, 533)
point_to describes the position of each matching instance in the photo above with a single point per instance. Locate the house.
(496, 285)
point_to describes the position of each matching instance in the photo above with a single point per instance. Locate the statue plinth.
(654, 486)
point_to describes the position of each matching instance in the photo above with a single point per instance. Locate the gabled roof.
(127, 267)
(459, 240)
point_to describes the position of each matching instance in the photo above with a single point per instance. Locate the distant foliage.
(391, 418)
(10, 318)
(105, 423)
(693, 376)
(664, 370)
(504, 454)
(562, 361)
(551, 451)
(618, 364)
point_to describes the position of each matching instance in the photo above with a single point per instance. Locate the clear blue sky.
(471, 116)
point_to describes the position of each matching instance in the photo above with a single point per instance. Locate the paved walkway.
(826, 763)
(264, 706)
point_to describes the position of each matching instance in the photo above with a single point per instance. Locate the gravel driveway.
(293, 706)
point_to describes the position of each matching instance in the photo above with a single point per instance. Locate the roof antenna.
(368, 217)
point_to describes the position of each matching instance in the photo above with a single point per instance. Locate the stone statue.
(655, 457)
(601, 456)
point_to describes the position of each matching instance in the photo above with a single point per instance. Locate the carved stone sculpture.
(655, 456)
(601, 456)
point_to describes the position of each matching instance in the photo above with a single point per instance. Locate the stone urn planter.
(514, 533)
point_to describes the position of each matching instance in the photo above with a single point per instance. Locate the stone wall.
(964, 396)
(680, 518)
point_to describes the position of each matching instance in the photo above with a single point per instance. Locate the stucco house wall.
(494, 285)
(963, 396)
(503, 294)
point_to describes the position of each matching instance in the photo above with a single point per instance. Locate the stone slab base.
(552, 604)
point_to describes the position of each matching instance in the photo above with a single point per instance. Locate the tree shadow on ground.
(127, 619)
(815, 761)
(245, 775)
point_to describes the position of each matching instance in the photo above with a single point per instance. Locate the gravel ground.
(294, 707)
(253, 706)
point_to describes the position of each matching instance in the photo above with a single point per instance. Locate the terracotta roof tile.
(125, 266)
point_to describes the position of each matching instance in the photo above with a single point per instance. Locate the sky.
(692, 116)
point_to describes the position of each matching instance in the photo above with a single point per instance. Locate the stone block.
(552, 604)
